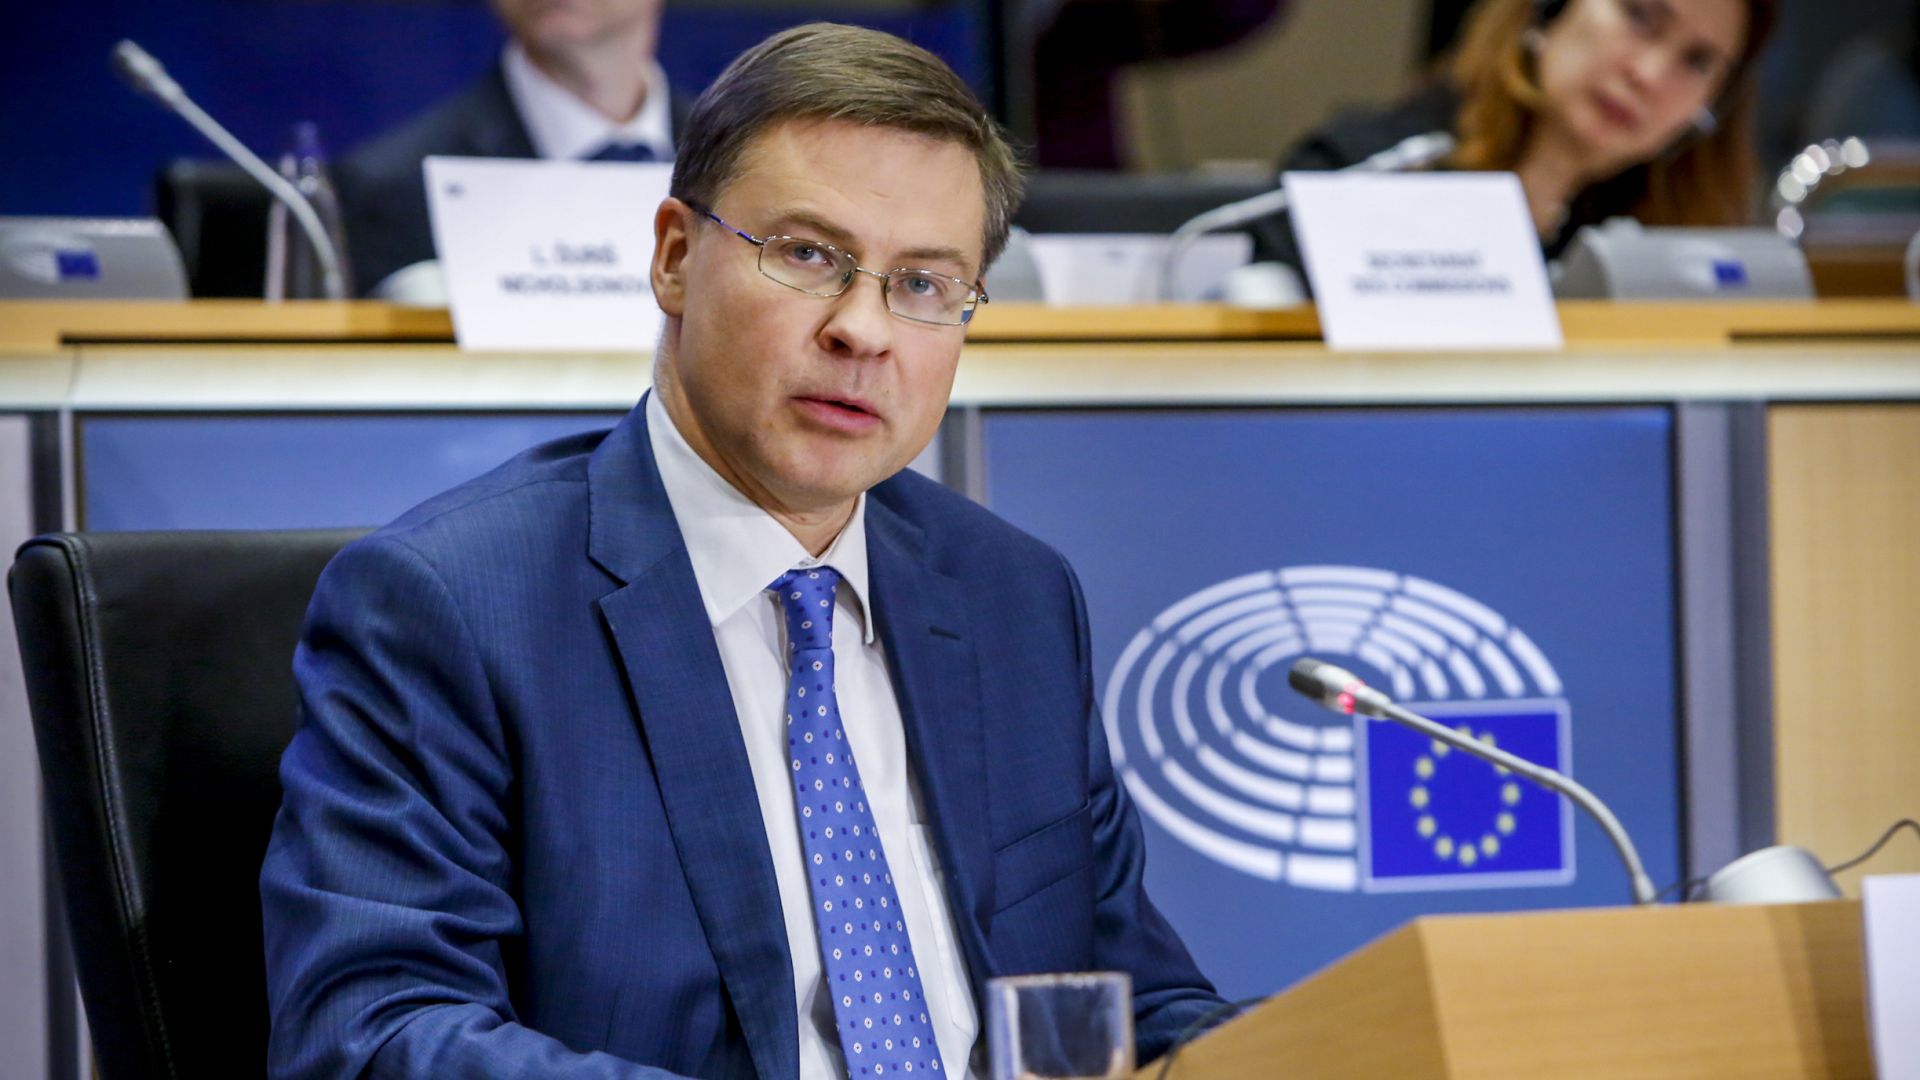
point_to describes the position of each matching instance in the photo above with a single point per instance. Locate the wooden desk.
(1842, 443)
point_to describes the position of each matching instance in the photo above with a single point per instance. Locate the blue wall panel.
(78, 141)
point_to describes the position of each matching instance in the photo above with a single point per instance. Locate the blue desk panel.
(291, 471)
(1509, 570)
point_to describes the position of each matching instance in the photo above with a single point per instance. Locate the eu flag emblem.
(1437, 818)
(76, 264)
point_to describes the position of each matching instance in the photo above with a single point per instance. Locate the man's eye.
(805, 254)
(920, 285)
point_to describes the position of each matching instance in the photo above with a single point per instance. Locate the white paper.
(1423, 261)
(1098, 269)
(547, 255)
(1890, 906)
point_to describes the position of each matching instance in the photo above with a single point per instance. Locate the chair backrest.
(1081, 201)
(159, 676)
(218, 217)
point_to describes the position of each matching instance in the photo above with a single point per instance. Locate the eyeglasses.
(818, 268)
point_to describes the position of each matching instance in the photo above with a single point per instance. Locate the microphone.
(148, 76)
(1408, 155)
(1342, 691)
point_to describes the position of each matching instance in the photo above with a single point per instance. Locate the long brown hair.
(1706, 180)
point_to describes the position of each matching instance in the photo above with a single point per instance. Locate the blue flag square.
(1438, 818)
(76, 265)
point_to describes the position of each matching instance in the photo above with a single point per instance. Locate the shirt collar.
(737, 548)
(562, 127)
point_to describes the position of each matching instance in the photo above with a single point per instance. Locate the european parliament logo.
(1217, 750)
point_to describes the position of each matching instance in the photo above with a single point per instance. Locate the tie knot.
(624, 151)
(806, 596)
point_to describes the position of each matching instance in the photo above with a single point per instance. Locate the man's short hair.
(825, 71)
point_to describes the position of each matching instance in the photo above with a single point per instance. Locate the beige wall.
(1254, 100)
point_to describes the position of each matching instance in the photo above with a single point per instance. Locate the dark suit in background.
(383, 196)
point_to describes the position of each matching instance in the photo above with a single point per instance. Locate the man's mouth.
(854, 405)
(845, 413)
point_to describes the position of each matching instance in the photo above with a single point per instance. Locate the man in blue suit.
(717, 745)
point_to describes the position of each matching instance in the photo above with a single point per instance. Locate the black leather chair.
(159, 677)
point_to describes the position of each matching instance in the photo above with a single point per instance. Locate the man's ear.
(672, 233)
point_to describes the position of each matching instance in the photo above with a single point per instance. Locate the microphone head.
(1335, 688)
(1410, 154)
(1305, 677)
(141, 70)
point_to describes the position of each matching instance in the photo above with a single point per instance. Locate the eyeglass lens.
(820, 268)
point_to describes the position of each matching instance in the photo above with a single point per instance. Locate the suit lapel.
(922, 617)
(692, 734)
(491, 126)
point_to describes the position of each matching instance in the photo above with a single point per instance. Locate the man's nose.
(859, 323)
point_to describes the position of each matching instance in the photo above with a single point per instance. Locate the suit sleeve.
(385, 890)
(1130, 934)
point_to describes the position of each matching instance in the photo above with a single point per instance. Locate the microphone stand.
(1413, 152)
(1340, 690)
(147, 75)
(1643, 892)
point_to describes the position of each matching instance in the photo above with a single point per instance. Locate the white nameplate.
(1890, 906)
(547, 255)
(1425, 261)
(1097, 269)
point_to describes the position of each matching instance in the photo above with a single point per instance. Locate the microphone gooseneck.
(1342, 691)
(150, 77)
(1409, 154)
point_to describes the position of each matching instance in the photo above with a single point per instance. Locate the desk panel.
(1845, 493)
(1512, 567)
(291, 471)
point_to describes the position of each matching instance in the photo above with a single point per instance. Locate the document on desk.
(1428, 261)
(547, 255)
(1890, 906)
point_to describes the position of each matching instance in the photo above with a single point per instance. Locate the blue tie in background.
(879, 1011)
(619, 151)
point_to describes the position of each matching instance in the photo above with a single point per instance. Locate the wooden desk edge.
(41, 327)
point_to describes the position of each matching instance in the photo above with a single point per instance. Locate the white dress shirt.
(738, 550)
(562, 127)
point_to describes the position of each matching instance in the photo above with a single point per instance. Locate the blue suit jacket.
(520, 836)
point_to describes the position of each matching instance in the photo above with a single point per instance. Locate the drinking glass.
(1061, 1027)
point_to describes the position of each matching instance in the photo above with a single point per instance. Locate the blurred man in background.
(578, 80)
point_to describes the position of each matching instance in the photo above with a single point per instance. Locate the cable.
(1907, 823)
(1688, 885)
(1204, 1023)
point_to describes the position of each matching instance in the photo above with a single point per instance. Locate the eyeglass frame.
(976, 289)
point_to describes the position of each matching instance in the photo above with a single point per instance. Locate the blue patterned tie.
(878, 1009)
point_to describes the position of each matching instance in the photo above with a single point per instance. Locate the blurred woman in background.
(1603, 108)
